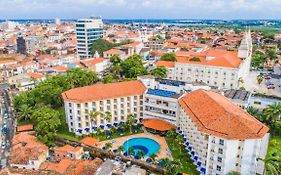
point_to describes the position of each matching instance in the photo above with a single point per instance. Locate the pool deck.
(162, 153)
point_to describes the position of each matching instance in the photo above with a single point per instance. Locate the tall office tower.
(21, 45)
(87, 31)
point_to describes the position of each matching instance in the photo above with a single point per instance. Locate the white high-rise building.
(87, 31)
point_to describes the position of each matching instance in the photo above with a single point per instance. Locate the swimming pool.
(147, 145)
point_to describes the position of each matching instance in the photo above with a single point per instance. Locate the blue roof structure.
(171, 82)
(162, 93)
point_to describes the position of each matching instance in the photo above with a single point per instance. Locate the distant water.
(158, 21)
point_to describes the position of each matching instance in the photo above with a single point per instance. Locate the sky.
(141, 9)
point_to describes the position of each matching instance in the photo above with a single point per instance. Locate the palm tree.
(107, 116)
(153, 156)
(272, 163)
(94, 116)
(24, 112)
(260, 78)
(273, 112)
(131, 151)
(253, 111)
(140, 154)
(120, 149)
(108, 145)
(130, 121)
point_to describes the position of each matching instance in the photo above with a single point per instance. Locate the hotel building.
(87, 31)
(219, 68)
(120, 99)
(220, 136)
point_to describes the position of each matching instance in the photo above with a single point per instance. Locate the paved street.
(7, 124)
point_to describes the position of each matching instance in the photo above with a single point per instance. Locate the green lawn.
(274, 143)
(183, 156)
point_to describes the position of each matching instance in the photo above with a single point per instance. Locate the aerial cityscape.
(140, 87)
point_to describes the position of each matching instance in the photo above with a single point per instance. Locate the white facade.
(78, 113)
(87, 31)
(218, 76)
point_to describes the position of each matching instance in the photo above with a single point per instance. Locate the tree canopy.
(168, 57)
(42, 105)
(160, 72)
(133, 67)
(101, 45)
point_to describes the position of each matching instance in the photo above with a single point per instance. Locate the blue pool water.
(148, 146)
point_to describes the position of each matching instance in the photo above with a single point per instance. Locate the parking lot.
(251, 84)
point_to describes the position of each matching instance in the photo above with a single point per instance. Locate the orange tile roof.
(165, 63)
(134, 44)
(35, 75)
(216, 115)
(28, 127)
(66, 148)
(59, 68)
(113, 51)
(26, 147)
(104, 91)
(158, 124)
(221, 58)
(89, 141)
(93, 61)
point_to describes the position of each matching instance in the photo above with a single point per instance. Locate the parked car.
(271, 87)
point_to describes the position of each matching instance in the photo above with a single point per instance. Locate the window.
(78, 112)
(70, 117)
(70, 111)
(86, 105)
(108, 101)
(220, 151)
(87, 123)
(87, 117)
(69, 104)
(79, 124)
(71, 123)
(218, 168)
(221, 142)
(219, 159)
(78, 105)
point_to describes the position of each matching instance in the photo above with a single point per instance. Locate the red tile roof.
(165, 63)
(89, 141)
(104, 91)
(25, 128)
(158, 124)
(216, 115)
(220, 58)
(36, 75)
(93, 61)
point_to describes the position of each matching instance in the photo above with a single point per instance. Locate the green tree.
(173, 167)
(272, 163)
(80, 78)
(133, 67)
(260, 78)
(180, 141)
(195, 59)
(271, 54)
(258, 60)
(24, 112)
(153, 156)
(160, 72)
(115, 60)
(140, 154)
(168, 57)
(130, 121)
(131, 151)
(47, 122)
(120, 149)
(107, 116)
(253, 111)
(108, 79)
(273, 112)
(108, 145)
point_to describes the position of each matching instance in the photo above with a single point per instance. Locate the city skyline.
(147, 9)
